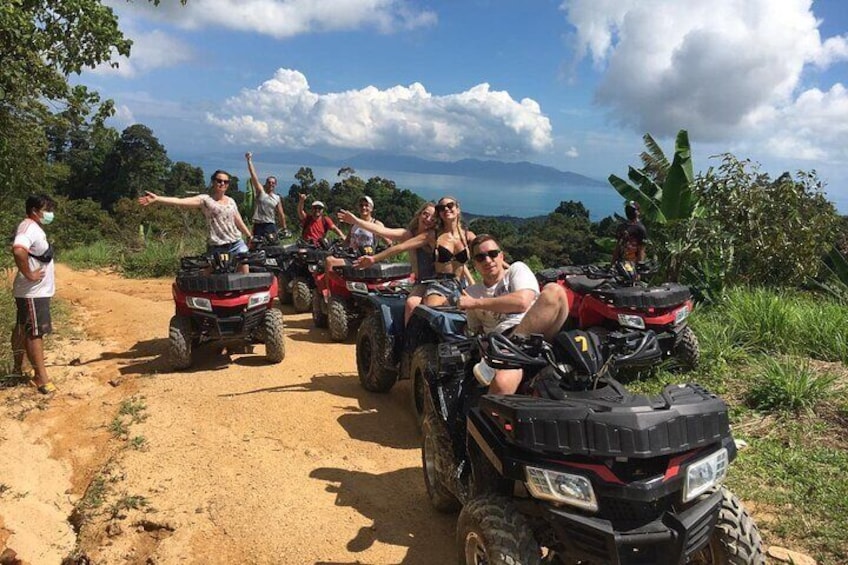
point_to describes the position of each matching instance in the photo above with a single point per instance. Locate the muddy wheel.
(491, 530)
(273, 332)
(338, 320)
(285, 293)
(301, 295)
(319, 318)
(437, 462)
(687, 351)
(422, 370)
(373, 356)
(735, 539)
(179, 342)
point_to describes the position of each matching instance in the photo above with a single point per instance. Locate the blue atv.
(386, 352)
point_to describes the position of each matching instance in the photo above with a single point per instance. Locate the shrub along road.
(232, 461)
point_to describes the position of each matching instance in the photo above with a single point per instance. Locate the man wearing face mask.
(33, 288)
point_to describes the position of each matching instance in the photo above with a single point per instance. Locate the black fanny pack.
(45, 257)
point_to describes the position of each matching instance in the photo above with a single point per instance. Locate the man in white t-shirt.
(33, 288)
(509, 300)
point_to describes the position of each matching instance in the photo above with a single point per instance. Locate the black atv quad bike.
(576, 469)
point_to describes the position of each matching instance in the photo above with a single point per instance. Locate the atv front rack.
(610, 422)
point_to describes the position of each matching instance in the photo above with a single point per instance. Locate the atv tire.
(687, 352)
(284, 292)
(338, 320)
(179, 342)
(491, 530)
(319, 318)
(437, 463)
(301, 295)
(273, 334)
(373, 356)
(422, 371)
(735, 539)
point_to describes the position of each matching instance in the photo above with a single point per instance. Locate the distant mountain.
(523, 172)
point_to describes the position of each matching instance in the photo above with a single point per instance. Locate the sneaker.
(483, 373)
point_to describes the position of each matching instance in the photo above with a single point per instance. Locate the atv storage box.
(229, 282)
(602, 423)
(376, 272)
(662, 296)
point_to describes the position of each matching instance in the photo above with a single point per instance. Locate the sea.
(480, 196)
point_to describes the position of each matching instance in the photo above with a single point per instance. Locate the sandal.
(46, 388)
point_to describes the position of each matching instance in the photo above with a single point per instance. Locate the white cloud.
(479, 122)
(572, 152)
(150, 50)
(724, 70)
(287, 18)
(123, 117)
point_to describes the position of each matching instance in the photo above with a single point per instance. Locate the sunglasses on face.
(317, 208)
(491, 254)
(222, 181)
(446, 206)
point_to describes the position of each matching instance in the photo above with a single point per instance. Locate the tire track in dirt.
(244, 461)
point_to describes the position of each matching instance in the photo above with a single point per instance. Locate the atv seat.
(378, 271)
(584, 284)
(227, 282)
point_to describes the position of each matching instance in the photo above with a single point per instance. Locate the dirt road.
(233, 461)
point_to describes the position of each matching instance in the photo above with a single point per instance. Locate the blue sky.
(568, 83)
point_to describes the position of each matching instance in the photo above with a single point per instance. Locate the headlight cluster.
(575, 490)
(681, 315)
(199, 303)
(357, 286)
(705, 474)
(631, 321)
(258, 299)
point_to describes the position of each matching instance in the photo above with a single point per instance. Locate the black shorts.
(34, 316)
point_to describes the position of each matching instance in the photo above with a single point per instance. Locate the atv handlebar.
(222, 262)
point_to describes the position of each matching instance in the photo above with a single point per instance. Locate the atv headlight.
(681, 315)
(199, 303)
(271, 261)
(631, 321)
(704, 474)
(314, 267)
(258, 299)
(357, 286)
(575, 490)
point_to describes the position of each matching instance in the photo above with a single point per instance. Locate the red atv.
(615, 297)
(341, 299)
(215, 303)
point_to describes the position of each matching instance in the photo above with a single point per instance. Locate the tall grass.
(7, 313)
(158, 259)
(792, 323)
(789, 385)
(98, 254)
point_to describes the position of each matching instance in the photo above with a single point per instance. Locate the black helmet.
(631, 209)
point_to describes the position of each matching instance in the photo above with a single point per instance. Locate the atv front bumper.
(672, 538)
(215, 327)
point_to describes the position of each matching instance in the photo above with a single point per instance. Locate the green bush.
(789, 385)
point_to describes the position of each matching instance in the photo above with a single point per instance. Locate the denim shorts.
(238, 246)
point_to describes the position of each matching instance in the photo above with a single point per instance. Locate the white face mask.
(47, 217)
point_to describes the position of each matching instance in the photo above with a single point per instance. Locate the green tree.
(137, 163)
(184, 178)
(779, 228)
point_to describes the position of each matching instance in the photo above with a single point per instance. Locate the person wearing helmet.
(630, 236)
(316, 224)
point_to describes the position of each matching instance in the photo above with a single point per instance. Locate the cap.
(318, 203)
(367, 199)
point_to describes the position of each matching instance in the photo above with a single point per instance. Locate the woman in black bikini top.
(444, 255)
